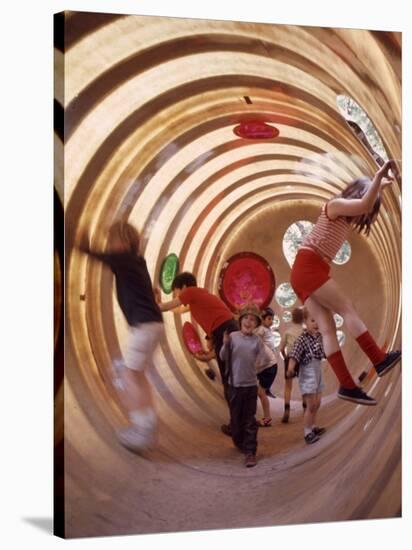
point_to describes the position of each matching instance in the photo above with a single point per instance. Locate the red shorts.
(309, 272)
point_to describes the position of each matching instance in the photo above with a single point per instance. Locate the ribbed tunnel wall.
(149, 109)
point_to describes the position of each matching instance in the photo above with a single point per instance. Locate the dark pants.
(267, 377)
(242, 403)
(229, 326)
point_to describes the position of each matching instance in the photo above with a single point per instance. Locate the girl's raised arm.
(353, 207)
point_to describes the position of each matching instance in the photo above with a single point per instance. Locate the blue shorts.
(310, 377)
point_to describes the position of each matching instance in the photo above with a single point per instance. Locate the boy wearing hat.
(239, 351)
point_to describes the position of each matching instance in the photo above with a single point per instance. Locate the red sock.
(337, 362)
(369, 346)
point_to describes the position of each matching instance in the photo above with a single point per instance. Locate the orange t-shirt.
(208, 310)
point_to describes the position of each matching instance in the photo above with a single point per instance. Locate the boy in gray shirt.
(239, 351)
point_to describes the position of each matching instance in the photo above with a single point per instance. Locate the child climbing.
(356, 207)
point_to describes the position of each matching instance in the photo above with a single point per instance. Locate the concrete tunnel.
(145, 109)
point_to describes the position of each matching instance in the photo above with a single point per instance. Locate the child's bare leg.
(327, 328)
(331, 297)
(316, 406)
(288, 393)
(310, 412)
(264, 400)
(137, 393)
(326, 324)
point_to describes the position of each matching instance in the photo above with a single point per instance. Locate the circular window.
(287, 316)
(293, 238)
(276, 322)
(341, 337)
(343, 255)
(277, 338)
(338, 320)
(285, 295)
(362, 127)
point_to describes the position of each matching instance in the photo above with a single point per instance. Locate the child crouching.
(308, 352)
(239, 351)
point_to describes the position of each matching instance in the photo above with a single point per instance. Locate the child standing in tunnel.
(137, 302)
(266, 365)
(358, 207)
(239, 353)
(288, 339)
(307, 352)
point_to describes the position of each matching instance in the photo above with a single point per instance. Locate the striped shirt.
(327, 236)
(307, 347)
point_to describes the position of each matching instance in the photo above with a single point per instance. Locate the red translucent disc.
(255, 130)
(246, 278)
(191, 338)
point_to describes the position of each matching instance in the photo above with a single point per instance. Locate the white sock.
(307, 431)
(143, 418)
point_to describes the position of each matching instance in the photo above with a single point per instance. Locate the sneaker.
(362, 376)
(265, 423)
(356, 395)
(250, 460)
(225, 428)
(388, 363)
(270, 394)
(311, 437)
(134, 439)
(318, 431)
(210, 374)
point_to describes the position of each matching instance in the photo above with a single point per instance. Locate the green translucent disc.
(168, 272)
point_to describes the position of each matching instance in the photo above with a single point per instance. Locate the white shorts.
(310, 377)
(141, 345)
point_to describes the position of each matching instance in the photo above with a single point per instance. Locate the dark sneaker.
(362, 376)
(226, 429)
(270, 394)
(311, 438)
(210, 374)
(250, 460)
(388, 363)
(356, 395)
(318, 431)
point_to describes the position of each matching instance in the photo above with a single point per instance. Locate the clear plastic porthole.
(285, 295)
(293, 238)
(341, 337)
(343, 254)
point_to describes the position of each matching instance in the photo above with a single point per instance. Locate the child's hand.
(203, 356)
(157, 295)
(388, 172)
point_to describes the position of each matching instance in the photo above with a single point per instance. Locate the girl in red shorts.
(358, 207)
